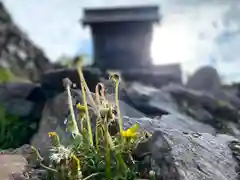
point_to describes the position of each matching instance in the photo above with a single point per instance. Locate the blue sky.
(193, 32)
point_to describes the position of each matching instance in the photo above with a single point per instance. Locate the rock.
(179, 101)
(183, 103)
(149, 100)
(234, 146)
(181, 147)
(11, 165)
(24, 150)
(231, 89)
(21, 106)
(163, 163)
(53, 116)
(128, 111)
(216, 107)
(18, 53)
(179, 122)
(234, 127)
(156, 76)
(22, 99)
(51, 81)
(110, 88)
(185, 123)
(201, 115)
(56, 110)
(191, 155)
(24, 162)
(206, 78)
(238, 91)
(229, 98)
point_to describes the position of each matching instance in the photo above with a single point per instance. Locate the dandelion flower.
(52, 134)
(130, 132)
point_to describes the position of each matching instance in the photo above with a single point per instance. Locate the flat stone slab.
(11, 164)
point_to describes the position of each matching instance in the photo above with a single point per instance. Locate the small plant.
(13, 131)
(5, 75)
(101, 152)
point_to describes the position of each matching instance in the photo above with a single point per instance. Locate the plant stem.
(121, 162)
(107, 149)
(117, 154)
(117, 106)
(86, 106)
(81, 122)
(71, 109)
(39, 157)
(47, 168)
(92, 175)
(97, 134)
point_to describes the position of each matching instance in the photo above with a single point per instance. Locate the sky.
(192, 32)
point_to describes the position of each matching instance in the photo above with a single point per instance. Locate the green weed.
(5, 75)
(13, 131)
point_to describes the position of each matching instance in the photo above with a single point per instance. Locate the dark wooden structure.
(122, 36)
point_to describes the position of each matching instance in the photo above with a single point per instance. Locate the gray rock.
(181, 155)
(156, 76)
(149, 100)
(179, 101)
(21, 107)
(185, 124)
(22, 164)
(184, 149)
(229, 98)
(128, 111)
(53, 116)
(238, 91)
(205, 78)
(18, 52)
(12, 165)
(52, 80)
(234, 127)
(181, 123)
(22, 99)
(201, 115)
(216, 107)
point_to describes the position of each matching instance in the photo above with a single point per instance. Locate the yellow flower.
(130, 132)
(80, 107)
(52, 134)
(54, 138)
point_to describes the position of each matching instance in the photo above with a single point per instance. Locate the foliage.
(70, 62)
(99, 152)
(5, 75)
(65, 61)
(12, 130)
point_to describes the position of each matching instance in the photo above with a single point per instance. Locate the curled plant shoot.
(83, 87)
(109, 156)
(116, 80)
(67, 84)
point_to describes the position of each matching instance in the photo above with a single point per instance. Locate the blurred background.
(192, 32)
(178, 58)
